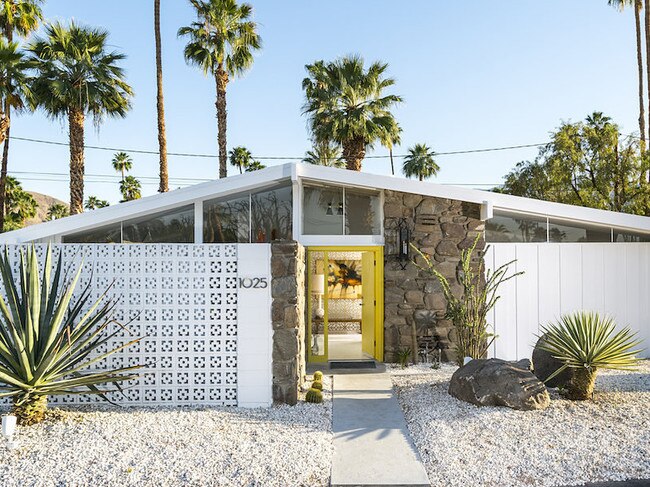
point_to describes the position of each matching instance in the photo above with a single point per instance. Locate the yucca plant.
(47, 340)
(586, 342)
(468, 312)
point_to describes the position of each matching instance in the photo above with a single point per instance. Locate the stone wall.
(439, 228)
(288, 318)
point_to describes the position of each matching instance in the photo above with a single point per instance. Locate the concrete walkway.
(371, 441)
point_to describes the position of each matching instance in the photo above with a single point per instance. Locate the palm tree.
(255, 166)
(347, 104)
(325, 154)
(16, 17)
(20, 205)
(14, 93)
(57, 211)
(420, 162)
(93, 202)
(122, 163)
(221, 43)
(240, 157)
(130, 188)
(638, 6)
(77, 76)
(160, 105)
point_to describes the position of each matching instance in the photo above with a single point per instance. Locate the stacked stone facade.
(413, 298)
(288, 319)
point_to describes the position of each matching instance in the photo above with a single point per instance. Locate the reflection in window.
(322, 211)
(515, 228)
(271, 215)
(562, 232)
(226, 221)
(621, 236)
(362, 216)
(107, 234)
(174, 226)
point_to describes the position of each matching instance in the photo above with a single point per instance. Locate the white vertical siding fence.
(611, 278)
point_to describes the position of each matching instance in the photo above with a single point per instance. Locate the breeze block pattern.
(182, 298)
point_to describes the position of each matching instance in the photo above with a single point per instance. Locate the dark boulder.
(544, 364)
(495, 382)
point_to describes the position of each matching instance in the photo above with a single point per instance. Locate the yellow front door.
(368, 304)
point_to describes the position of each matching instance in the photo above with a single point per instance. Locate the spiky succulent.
(48, 339)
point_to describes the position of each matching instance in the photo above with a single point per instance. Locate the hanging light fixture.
(404, 243)
(339, 210)
(329, 209)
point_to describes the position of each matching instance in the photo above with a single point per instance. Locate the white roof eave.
(294, 171)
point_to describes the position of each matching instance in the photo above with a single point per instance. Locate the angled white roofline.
(294, 171)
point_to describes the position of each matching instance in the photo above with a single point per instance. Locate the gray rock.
(495, 382)
(544, 364)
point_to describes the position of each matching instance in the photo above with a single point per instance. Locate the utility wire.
(269, 158)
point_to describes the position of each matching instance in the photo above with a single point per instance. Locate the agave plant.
(48, 341)
(586, 342)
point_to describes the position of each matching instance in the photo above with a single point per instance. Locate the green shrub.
(47, 340)
(314, 395)
(468, 312)
(403, 355)
(586, 342)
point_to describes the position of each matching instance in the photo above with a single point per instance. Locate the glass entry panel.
(317, 304)
(344, 294)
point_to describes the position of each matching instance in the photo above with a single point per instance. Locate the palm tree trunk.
(581, 385)
(392, 164)
(5, 122)
(76, 122)
(222, 80)
(638, 6)
(354, 150)
(162, 139)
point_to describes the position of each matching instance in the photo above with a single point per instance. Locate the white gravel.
(281, 446)
(567, 444)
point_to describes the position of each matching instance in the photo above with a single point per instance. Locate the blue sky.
(473, 74)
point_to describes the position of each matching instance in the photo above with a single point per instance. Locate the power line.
(269, 158)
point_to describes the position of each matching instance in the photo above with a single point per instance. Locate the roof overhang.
(488, 200)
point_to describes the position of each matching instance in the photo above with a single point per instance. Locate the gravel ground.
(282, 445)
(567, 444)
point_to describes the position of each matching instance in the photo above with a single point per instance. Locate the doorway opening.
(345, 303)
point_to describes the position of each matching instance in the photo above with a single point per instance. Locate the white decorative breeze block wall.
(611, 278)
(186, 301)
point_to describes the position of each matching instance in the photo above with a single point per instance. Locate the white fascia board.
(497, 201)
(150, 204)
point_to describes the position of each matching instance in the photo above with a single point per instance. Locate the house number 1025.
(253, 282)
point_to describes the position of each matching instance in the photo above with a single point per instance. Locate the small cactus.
(318, 375)
(314, 395)
(317, 385)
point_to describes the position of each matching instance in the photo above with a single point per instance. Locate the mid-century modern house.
(236, 283)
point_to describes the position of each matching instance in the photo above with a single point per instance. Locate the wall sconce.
(404, 243)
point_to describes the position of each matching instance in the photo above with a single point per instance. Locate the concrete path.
(371, 441)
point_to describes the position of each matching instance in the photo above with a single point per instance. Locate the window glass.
(322, 211)
(503, 227)
(362, 214)
(174, 226)
(271, 215)
(107, 234)
(571, 232)
(226, 221)
(621, 236)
